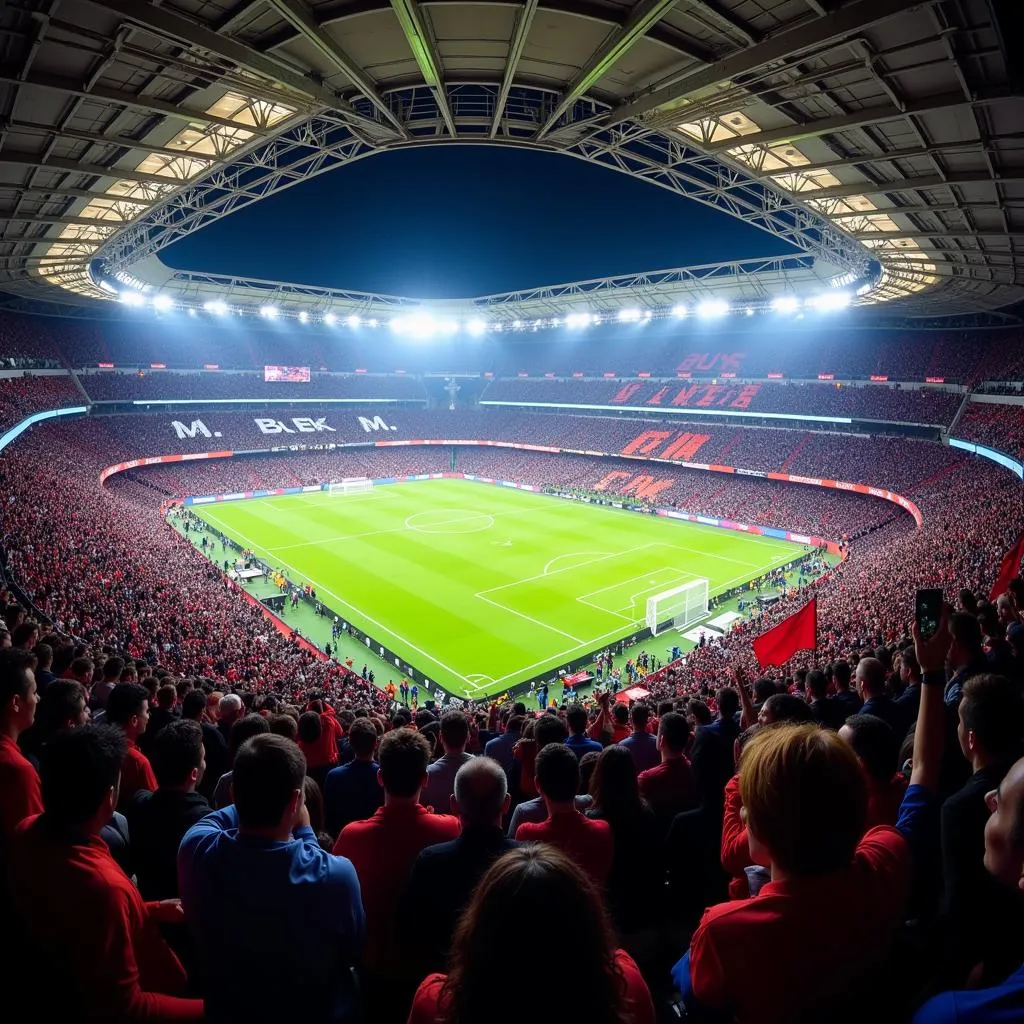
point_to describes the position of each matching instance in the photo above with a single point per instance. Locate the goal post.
(679, 607)
(350, 485)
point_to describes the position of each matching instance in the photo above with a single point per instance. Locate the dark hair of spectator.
(176, 749)
(267, 772)
(534, 883)
(403, 757)
(78, 768)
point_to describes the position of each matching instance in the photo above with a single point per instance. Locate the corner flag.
(797, 633)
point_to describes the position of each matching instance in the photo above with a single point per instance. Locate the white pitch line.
(530, 618)
(573, 554)
(359, 613)
(548, 575)
(399, 529)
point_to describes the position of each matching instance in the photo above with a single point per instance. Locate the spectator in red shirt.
(521, 890)
(128, 708)
(382, 850)
(587, 843)
(97, 942)
(669, 788)
(20, 794)
(805, 803)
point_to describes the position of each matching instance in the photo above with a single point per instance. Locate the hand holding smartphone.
(928, 612)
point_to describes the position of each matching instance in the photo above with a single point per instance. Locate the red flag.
(797, 633)
(1009, 568)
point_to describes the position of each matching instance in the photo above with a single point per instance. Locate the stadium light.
(785, 304)
(750, 310)
(372, 322)
(517, 325)
(680, 311)
(629, 316)
(448, 327)
(330, 319)
(829, 301)
(133, 298)
(416, 325)
(269, 312)
(476, 327)
(162, 303)
(191, 310)
(303, 317)
(353, 321)
(712, 308)
(217, 306)
(576, 320)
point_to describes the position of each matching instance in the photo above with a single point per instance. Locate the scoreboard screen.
(295, 374)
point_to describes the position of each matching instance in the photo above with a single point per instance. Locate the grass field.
(481, 587)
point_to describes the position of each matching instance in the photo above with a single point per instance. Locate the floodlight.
(679, 311)
(785, 304)
(269, 312)
(217, 306)
(330, 319)
(750, 310)
(448, 326)
(303, 317)
(162, 303)
(648, 314)
(372, 323)
(353, 321)
(712, 308)
(577, 320)
(133, 298)
(829, 301)
(476, 327)
(418, 325)
(191, 310)
(517, 325)
(628, 316)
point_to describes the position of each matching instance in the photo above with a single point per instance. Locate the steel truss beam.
(840, 24)
(56, 163)
(844, 122)
(669, 163)
(646, 14)
(524, 21)
(165, 22)
(414, 28)
(311, 148)
(928, 181)
(300, 17)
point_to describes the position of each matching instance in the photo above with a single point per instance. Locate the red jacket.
(20, 792)
(80, 907)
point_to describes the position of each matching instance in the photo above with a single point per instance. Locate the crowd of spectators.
(271, 807)
(882, 402)
(25, 394)
(660, 348)
(164, 385)
(998, 426)
(27, 343)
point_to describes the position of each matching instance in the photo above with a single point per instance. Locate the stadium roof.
(881, 137)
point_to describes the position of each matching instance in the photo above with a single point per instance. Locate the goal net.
(350, 485)
(679, 607)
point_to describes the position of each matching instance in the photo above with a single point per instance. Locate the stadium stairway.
(797, 449)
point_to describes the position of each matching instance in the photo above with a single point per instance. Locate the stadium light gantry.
(162, 303)
(269, 312)
(712, 308)
(352, 321)
(576, 320)
(680, 311)
(132, 298)
(629, 316)
(827, 302)
(330, 319)
(216, 306)
(785, 304)
(303, 317)
(476, 327)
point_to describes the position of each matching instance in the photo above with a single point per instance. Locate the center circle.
(449, 520)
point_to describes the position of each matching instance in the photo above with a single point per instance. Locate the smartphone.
(927, 612)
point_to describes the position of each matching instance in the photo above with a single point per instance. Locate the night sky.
(457, 221)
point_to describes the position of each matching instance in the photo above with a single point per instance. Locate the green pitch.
(481, 587)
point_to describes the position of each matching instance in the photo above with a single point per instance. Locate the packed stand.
(882, 402)
(995, 425)
(113, 386)
(25, 394)
(27, 343)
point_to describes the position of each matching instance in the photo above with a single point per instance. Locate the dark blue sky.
(457, 221)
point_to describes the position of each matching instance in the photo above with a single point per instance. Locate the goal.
(350, 485)
(679, 607)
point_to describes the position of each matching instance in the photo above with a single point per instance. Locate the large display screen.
(296, 374)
